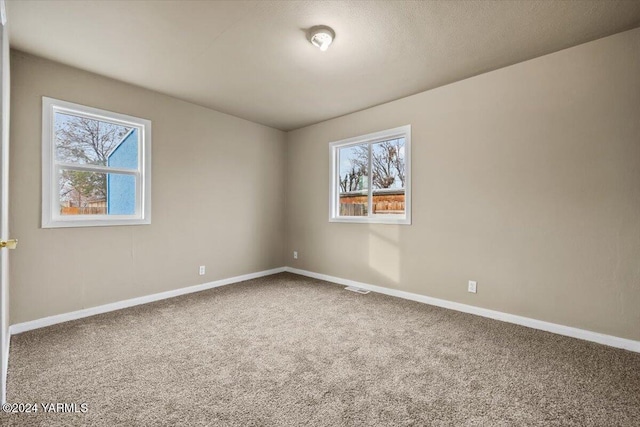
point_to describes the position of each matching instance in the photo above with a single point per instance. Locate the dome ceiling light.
(321, 36)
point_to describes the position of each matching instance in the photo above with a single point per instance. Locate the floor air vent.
(357, 290)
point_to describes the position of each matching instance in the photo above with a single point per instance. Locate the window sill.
(76, 223)
(369, 220)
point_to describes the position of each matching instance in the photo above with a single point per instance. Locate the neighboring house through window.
(121, 189)
(371, 178)
(96, 167)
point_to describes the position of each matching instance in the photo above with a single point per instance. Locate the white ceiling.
(252, 59)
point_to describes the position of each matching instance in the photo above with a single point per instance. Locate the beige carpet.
(286, 350)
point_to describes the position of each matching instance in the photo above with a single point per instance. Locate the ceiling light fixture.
(321, 37)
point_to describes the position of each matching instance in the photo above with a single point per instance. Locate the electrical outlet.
(473, 285)
(202, 270)
(295, 254)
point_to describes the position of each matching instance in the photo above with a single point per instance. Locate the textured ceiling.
(251, 58)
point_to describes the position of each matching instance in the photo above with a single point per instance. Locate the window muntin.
(96, 167)
(370, 178)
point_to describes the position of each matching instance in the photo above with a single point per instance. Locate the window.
(96, 167)
(371, 178)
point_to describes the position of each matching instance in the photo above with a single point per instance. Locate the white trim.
(51, 217)
(569, 331)
(555, 328)
(65, 317)
(372, 138)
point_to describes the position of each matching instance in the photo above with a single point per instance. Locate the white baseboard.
(569, 331)
(555, 328)
(65, 317)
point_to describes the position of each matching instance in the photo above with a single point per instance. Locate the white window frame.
(51, 217)
(370, 139)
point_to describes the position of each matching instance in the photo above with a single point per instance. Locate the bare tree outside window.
(96, 166)
(387, 162)
(352, 179)
(353, 172)
(370, 178)
(81, 140)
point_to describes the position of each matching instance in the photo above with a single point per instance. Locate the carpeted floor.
(288, 351)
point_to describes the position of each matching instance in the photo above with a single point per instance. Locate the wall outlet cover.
(473, 286)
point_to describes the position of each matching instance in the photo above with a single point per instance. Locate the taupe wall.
(526, 179)
(216, 188)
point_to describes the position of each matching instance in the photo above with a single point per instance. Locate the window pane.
(388, 176)
(81, 140)
(353, 180)
(96, 193)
